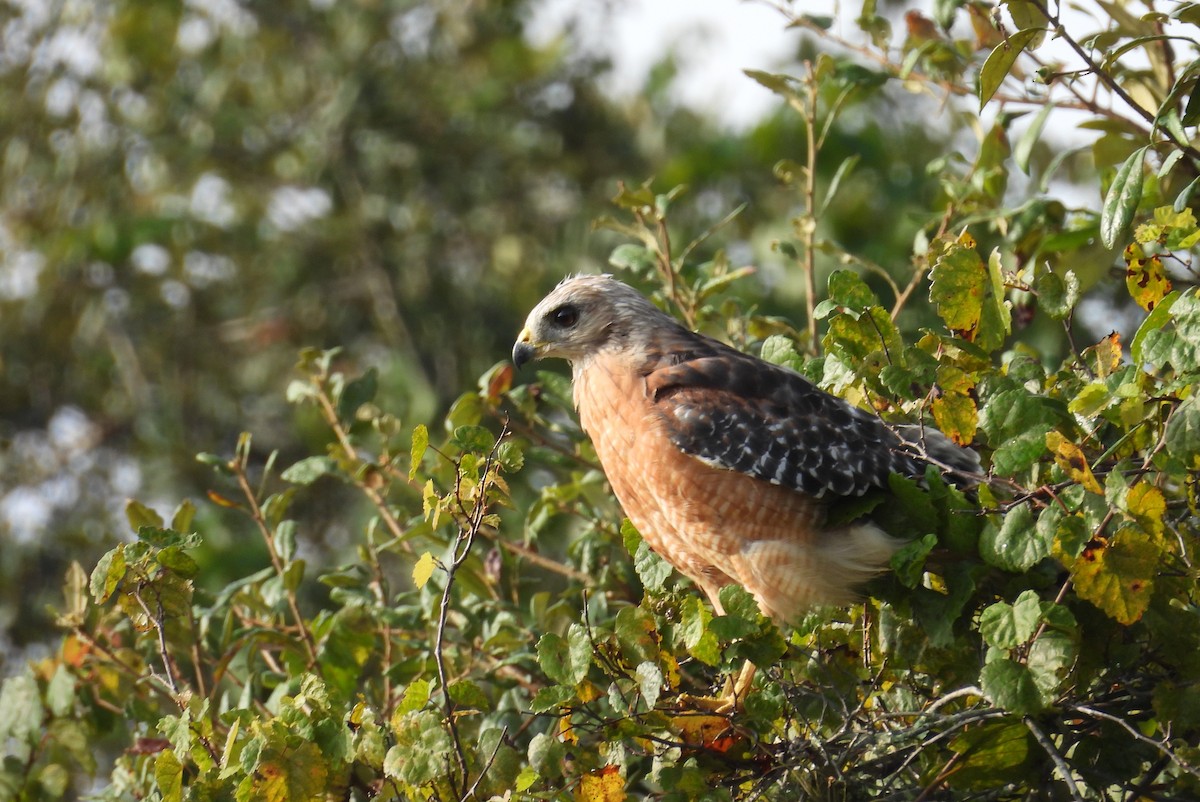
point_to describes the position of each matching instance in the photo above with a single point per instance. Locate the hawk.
(725, 463)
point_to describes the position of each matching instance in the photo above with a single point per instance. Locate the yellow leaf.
(1070, 457)
(1145, 278)
(957, 417)
(602, 785)
(1147, 506)
(431, 504)
(566, 731)
(1118, 576)
(1107, 354)
(423, 570)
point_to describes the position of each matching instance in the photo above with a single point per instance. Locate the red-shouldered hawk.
(726, 463)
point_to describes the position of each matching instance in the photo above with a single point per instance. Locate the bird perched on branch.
(726, 464)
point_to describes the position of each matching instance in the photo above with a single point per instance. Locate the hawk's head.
(582, 315)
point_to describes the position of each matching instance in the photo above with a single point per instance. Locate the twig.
(256, 515)
(1133, 731)
(809, 233)
(483, 772)
(1108, 80)
(462, 549)
(343, 438)
(163, 653)
(1060, 765)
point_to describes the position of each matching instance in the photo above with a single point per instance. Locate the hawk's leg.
(732, 697)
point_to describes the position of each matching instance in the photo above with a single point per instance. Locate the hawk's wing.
(737, 412)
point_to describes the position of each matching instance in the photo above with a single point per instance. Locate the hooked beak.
(524, 350)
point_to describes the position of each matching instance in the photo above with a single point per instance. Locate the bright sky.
(714, 40)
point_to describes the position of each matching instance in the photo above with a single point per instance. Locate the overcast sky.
(715, 40)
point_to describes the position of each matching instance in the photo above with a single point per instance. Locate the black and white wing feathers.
(737, 412)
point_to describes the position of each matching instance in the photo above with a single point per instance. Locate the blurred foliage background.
(190, 192)
(195, 194)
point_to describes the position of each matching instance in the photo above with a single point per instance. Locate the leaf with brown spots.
(1071, 459)
(1118, 576)
(1145, 277)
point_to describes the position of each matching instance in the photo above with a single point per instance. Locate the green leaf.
(21, 710)
(107, 574)
(651, 569)
(634, 258)
(1071, 534)
(468, 696)
(1091, 399)
(1020, 451)
(1006, 626)
(284, 539)
(510, 456)
(908, 562)
(551, 697)
(844, 169)
(309, 470)
(992, 755)
(565, 660)
(1057, 295)
(293, 575)
(637, 635)
(416, 696)
(780, 350)
(650, 681)
(699, 640)
(475, 439)
(139, 515)
(1011, 687)
(1121, 202)
(60, 692)
(1183, 433)
(779, 84)
(174, 559)
(1023, 150)
(739, 603)
(347, 647)
(168, 776)
(958, 283)
(848, 289)
(1000, 62)
(165, 538)
(181, 521)
(1013, 546)
(1049, 662)
(421, 751)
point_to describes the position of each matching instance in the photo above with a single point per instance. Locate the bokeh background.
(193, 190)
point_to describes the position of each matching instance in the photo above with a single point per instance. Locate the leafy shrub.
(500, 633)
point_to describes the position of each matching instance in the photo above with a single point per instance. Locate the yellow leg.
(731, 698)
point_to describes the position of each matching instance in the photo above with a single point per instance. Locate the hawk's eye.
(565, 316)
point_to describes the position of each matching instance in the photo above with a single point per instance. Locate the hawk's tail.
(926, 445)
